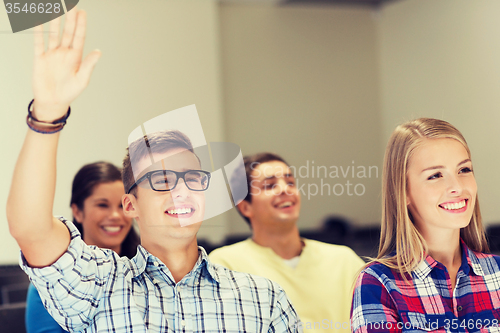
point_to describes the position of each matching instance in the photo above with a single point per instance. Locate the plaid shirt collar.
(143, 258)
(469, 260)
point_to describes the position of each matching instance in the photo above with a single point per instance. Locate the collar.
(143, 259)
(469, 260)
(303, 243)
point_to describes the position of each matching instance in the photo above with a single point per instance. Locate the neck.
(449, 255)
(117, 249)
(445, 248)
(285, 242)
(178, 255)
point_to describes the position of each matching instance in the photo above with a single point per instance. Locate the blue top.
(37, 319)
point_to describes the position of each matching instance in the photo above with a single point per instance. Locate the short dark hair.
(84, 183)
(157, 142)
(251, 162)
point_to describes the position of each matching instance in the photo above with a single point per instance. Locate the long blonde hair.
(398, 233)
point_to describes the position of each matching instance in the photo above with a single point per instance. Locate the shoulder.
(487, 262)
(233, 247)
(485, 256)
(376, 271)
(376, 282)
(229, 252)
(339, 255)
(329, 248)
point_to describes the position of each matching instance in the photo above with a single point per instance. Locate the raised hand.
(59, 74)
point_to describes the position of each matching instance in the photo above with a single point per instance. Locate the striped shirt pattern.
(94, 290)
(384, 302)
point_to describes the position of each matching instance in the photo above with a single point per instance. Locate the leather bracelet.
(45, 127)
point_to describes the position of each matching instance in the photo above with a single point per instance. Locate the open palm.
(59, 74)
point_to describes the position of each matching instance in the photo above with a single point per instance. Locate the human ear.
(77, 213)
(407, 195)
(129, 202)
(245, 209)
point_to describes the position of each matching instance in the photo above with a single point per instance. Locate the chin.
(286, 220)
(192, 222)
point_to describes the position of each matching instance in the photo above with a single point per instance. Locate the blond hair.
(402, 247)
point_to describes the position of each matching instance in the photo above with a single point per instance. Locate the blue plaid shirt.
(94, 290)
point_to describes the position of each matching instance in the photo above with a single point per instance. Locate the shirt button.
(156, 263)
(459, 308)
(196, 283)
(179, 288)
(183, 323)
(155, 281)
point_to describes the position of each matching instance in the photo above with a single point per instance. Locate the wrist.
(43, 126)
(47, 112)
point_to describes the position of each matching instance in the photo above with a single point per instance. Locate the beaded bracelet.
(45, 127)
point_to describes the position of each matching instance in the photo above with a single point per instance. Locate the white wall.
(156, 57)
(322, 84)
(303, 82)
(441, 58)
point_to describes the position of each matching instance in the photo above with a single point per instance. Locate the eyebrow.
(286, 175)
(442, 167)
(152, 168)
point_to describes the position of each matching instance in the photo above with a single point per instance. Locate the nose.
(116, 213)
(455, 185)
(181, 189)
(282, 186)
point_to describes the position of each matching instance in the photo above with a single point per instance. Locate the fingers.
(69, 28)
(88, 64)
(39, 44)
(80, 31)
(54, 33)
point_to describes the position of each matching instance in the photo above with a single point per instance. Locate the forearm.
(40, 236)
(31, 197)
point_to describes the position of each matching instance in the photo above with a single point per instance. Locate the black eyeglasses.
(166, 180)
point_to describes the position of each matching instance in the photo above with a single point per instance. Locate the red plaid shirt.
(383, 302)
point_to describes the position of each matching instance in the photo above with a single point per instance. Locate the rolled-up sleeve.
(72, 287)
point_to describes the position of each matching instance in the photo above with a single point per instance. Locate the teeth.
(179, 211)
(454, 206)
(285, 204)
(111, 229)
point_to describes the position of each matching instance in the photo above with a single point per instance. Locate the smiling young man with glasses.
(170, 285)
